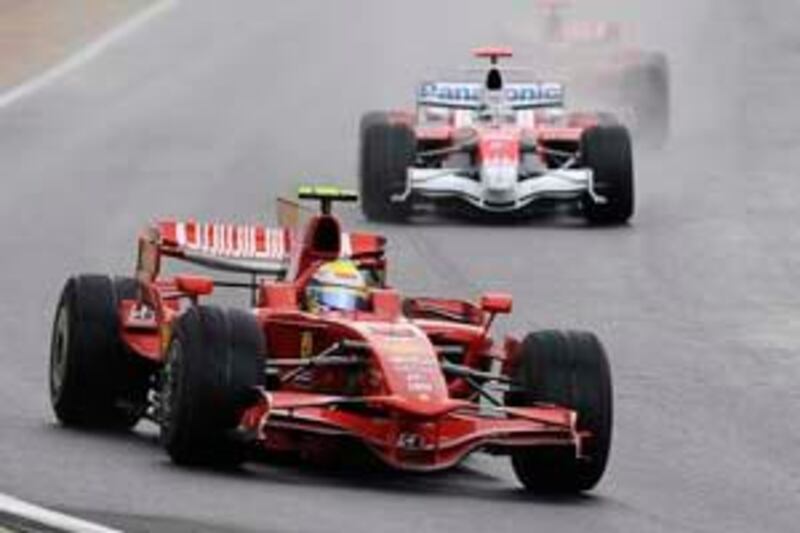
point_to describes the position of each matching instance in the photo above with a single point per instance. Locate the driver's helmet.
(337, 285)
(496, 110)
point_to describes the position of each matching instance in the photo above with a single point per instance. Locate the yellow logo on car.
(306, 344)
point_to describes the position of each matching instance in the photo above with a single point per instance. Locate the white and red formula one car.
(495, 148)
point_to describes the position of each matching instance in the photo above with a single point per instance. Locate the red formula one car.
(327, 358)
(606, 68)
(495, 148)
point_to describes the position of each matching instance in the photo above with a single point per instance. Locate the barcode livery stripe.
(230, 240)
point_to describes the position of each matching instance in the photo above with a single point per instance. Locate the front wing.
(438, 184)
(406, 440)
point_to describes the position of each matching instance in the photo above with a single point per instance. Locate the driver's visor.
(339, 298)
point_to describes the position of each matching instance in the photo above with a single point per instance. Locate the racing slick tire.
(646, 89)
(388, 150)
(570, 369)
(214, 363)
(94, 380)
(607, 151)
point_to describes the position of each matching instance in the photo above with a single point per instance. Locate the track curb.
(30, 517)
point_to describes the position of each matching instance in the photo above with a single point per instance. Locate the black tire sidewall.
(97, 366)
(570, 369)
(215, 362)
(607, 151)
(387, 151)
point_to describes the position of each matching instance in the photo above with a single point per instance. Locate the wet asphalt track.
(211, 112)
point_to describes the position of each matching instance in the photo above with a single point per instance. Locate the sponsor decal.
(451, 92)
(535, 92)
(141, 316)
(234, 241)
(410, 441)
(306, 344)
(397, 332)
(418, 382)
(412, 360)
(470, 93)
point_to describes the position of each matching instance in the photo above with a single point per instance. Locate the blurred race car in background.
(327, 358)
(495, 147)
(604, 68)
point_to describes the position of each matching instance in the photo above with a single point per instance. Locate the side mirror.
(496, 303)
(194, 285)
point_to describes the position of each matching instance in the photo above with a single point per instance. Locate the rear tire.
(569, 369)
(388, 150)
(607, 151)
(215, 362)
(94, 380)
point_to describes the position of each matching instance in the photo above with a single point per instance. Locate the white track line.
(86, 53)
(45, 517)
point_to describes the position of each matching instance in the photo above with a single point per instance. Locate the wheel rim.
(59, 353)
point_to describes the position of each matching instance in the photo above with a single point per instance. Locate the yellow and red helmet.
(337, 285)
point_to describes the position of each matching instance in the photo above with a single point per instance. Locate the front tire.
(569, 369)
(388, 150)
(94, 380)
(606, 150)
(214, 364)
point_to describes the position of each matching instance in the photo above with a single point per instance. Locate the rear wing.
(326, 195)
(453, 95)
(247, 249)
(469, 95)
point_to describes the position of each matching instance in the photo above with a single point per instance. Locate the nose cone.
(408, 362)
(499, 156)
(500, 181)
